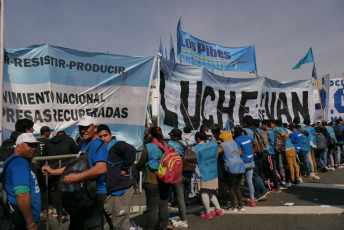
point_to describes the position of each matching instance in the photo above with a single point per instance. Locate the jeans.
(258, 183)
(272, 168)
(304, 159)
(322, 157)
(337, 154)
(249, 174)
(180, 189)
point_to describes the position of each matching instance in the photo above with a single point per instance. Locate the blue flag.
(306, 59)
(166, 53)
(172, 56)
(314, 72)
(161, 51)
(179, 36)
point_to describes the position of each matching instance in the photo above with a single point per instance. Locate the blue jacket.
(296, 139)
(207, 160)
(231, 157)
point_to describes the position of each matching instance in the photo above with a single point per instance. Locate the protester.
(206, 152)
(235, 167)
(305, 149)
(313, 141)
(60, 144)
(188, 137)
(97, 156)
(119, 185)
(21, 183)
(270, 125)
(21, 126)
(156, 190)
(179, 146)
(247, 146)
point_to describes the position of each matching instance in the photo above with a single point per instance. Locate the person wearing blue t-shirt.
(247, 146)
(97, 157)
(21, 182)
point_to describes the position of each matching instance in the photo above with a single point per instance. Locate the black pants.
(92, 220)
(234, 180)
(157, 200)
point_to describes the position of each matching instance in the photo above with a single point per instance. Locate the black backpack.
(9, 213)
(81, 196)
(7, 149)
(189, 158)
(338, 133)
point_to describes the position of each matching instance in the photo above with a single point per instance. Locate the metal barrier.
(35, 160)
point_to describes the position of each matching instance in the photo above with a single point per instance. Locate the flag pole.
(2, 62)
(317, 85)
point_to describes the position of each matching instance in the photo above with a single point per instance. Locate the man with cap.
(179, 146)
(97, 156)
(21, 182)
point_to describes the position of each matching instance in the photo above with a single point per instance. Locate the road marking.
(317, 209)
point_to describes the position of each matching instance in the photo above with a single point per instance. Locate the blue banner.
(55, 86)
(212, 56)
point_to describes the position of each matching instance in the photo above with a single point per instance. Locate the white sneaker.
(241, 209)
(234, 210)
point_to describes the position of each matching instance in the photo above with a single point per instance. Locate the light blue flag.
(161, 51)
(172, 56)
(166, 53)
(228, 126)
(306, 59)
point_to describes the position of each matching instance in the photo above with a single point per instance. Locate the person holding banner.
(156, 190)
(206, 152)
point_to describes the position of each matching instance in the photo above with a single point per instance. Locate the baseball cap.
(175, 132)
(26, 138)
(45, 129)
(86, 121)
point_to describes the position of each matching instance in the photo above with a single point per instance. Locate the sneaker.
(234, 210)
(264, 197)
(297, 181)
(340, 166)
(252, 204)
(207, 216)
(283, 187)
(289, 183)
(275, 190)
(316, 178)
(331, 169)
(241, 209)
(216, 213)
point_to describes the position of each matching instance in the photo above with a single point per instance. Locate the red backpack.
(171, 165)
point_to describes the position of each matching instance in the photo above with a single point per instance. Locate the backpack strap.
(182, 144)
(3, 173)
(160, 145)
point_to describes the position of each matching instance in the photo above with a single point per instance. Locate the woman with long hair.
(156, 190)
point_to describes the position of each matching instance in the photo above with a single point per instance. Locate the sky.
(282, 31)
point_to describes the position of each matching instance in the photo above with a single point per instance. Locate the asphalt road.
(317, 204)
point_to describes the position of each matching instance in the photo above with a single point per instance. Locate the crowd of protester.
(268, 155)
